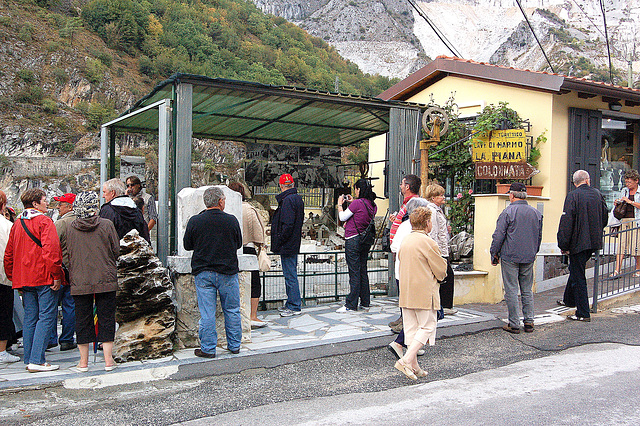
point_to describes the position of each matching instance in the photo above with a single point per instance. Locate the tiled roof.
(443, 66)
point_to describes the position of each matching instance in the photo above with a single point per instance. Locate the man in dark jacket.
(286, 234)
(66, 216)
(516, 241)
(215, 237)
(122, 210)
(584, 217)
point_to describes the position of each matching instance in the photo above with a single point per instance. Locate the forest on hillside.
(226, 39)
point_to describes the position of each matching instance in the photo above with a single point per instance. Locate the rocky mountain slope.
(483, 30)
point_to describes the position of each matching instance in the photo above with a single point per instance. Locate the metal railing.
(323, 275)
(314, 198)
(616, 268)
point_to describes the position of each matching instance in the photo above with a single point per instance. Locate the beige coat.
(439, 231)
(5, 230)
(421, 267)
(252, 226)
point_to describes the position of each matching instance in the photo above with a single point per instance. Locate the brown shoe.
(528, 327)
(511, 329)
(198, 352)
(395, 323)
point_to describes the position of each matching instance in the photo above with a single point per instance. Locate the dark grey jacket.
(518, 233)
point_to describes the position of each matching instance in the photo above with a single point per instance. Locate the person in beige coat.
(421, 267)
(252, 241)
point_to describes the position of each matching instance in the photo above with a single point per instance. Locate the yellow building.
(589, 125)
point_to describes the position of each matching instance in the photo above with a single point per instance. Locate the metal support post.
(164, 142)
(104, 147)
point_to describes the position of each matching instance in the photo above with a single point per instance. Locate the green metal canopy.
(186, 106)
(253, 112)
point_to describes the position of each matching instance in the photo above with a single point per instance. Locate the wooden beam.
(609, 100)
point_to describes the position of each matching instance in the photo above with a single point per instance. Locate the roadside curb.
(201, 369)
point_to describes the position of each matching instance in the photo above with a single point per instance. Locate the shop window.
(619, 154)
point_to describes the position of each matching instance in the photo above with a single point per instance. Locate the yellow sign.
(504, 146)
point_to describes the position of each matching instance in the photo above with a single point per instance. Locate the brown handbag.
(620, 210)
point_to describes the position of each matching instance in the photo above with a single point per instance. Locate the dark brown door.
(585, 133)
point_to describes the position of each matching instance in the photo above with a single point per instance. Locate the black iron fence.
(323, 276)
(617, 265)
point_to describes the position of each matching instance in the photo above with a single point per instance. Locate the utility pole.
(630, 72)
(337, 84)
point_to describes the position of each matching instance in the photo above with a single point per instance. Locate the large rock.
(188, 315)
(145, 310)
(145, 338)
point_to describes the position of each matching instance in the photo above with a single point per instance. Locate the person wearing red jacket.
(33, 264)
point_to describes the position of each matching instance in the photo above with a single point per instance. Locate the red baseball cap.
(286, 179)
(67, 198)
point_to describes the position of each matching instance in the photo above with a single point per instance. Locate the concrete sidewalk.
(319, 331)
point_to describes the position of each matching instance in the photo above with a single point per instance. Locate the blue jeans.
(68, 317)
(18, 311)
(290, 271)
(40, 310)
(208, 285)
(356, 256)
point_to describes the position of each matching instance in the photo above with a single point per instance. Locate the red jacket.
(25, 263)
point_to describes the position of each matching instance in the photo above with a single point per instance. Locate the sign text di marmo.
(503, 146)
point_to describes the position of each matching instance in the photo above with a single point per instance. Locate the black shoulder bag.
(368, 236)
(37, 241)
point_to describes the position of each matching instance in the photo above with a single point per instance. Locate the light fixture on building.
(615, 106)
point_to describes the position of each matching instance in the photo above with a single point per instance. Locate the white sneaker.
(450, 311)
(421, 352)
(364, 308)
(289, 313)
(344, 310)
(36, 368)
(7, 358)
(258, 324)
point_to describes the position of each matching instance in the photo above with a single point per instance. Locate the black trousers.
(576, 293)
(446, 288)
(356, 256)
(106, 311)
(256, 288)
(7, 329)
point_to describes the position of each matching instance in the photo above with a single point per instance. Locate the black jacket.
(584, 217)
(215, 237)
(286, 227)
(124, 214)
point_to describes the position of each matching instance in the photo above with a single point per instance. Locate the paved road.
(487, 376)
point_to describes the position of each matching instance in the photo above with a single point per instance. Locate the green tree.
(71, 27)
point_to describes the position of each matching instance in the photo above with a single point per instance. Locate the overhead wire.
(435, 29)
(587, 16)
(606, 37)
(535, 36)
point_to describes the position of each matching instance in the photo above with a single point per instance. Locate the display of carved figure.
(145, 311)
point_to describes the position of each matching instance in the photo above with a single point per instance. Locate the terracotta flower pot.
(533, 190)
